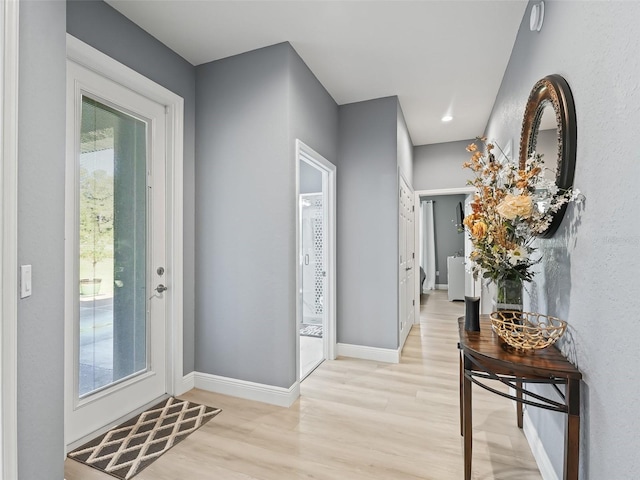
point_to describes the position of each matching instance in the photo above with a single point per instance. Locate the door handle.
(159, 289)
(408, 268)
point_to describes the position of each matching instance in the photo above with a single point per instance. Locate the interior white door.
(402, 272)
(411, 258)
(406, 273)
(115, 360)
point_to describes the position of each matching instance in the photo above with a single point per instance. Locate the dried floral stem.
(511, 206)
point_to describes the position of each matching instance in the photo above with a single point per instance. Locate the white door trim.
(325, 165)
(9, 241)
(418, 226)
(87, 56)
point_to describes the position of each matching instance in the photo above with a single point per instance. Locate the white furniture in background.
(456, 276)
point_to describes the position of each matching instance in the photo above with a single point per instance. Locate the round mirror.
(549, 128)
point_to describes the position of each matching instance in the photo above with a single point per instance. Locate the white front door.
(116, 348)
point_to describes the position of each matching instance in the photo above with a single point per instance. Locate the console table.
(485, 358)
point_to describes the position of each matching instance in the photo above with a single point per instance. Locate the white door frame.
(418, 224)
(9, 240)
(318, 161)
(87, 56)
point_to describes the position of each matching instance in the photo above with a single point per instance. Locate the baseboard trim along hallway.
(259, 392)
(386, 355)
(537, 449)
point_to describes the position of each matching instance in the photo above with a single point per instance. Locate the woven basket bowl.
(527, 331)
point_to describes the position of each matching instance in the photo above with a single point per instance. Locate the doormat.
(311, 330)
(127, 449)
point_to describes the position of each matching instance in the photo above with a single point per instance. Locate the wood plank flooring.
(356, 420)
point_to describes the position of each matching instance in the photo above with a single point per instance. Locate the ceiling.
(439, 57)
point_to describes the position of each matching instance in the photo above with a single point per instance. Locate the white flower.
(576, 196)
(547, 187)
(518, 254)
(513, 206)
(531, 159)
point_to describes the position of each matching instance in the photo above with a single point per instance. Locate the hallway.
(357, 420)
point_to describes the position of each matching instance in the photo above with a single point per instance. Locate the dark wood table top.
(491, 352)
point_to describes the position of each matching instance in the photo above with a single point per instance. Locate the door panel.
(406, 293)
(403, 261)
(411, 259)
(116, 331)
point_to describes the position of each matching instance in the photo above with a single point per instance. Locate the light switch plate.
(25, 281)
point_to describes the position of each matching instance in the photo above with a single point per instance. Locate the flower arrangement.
(511, 206)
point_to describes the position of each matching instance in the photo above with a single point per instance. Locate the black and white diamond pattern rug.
(127, 449)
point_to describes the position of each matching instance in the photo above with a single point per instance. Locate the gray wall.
(439, 165)
(244, 290)
(251, 107)
(589, 272)
(41, 151)
(368, 224)
(313, 114)
(448, 240)
(96, 23)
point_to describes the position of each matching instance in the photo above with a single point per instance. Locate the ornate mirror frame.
(552, 90)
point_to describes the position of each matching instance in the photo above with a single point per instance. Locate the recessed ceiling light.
(447, 118)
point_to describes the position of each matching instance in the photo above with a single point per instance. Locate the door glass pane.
(312, 231)
(112, 246)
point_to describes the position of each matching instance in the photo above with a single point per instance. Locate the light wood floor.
(356, 420)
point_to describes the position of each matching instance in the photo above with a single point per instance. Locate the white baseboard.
(442, 286)
(386, 355)
(188, 383)
(282, 397)
(537, 448)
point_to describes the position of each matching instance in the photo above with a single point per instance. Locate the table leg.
(461, 395)
(519, 403)
(572, 434)
(467, 427)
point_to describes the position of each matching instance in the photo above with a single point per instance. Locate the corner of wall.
(281, 397)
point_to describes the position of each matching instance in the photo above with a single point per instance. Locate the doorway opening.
(123, 276)
(315, 326)
(446, 269)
